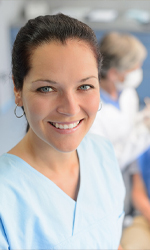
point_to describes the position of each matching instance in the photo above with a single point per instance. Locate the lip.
(66, 131)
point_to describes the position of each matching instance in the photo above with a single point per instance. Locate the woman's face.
(60, 94)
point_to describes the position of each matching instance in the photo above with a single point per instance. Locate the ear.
(18, 95)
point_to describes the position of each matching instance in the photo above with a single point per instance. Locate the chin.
(67, 146)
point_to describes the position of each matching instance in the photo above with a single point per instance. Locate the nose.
(68, 105)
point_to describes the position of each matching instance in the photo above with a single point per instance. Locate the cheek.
(35, 108)
(92, 104)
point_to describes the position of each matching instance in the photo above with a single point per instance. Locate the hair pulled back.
(44, 29)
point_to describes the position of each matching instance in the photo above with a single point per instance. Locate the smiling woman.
(63, 98)
(65, 186)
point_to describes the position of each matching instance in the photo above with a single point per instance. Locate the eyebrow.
(54, 82)
(87, 78)
(45, 80)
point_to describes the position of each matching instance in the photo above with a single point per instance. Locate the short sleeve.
(3, 241)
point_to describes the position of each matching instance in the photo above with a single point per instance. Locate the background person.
(60, 188)
(120, 119)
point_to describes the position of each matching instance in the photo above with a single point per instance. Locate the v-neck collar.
(74, 204)
(49, 181)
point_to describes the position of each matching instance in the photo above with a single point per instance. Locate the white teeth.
(70, 126)
(65, 126)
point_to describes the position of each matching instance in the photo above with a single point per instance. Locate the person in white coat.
(120, 120)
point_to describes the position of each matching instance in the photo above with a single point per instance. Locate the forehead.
(54, 48)
(55, 56)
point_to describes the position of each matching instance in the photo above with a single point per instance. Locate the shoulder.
(99, 156)
(10, 173)
(4, 163)
(7, 162)
(100, 152)
(98, 145)
(95, 139)
(7, 179)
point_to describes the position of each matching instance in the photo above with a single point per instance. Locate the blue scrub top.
(36, 214)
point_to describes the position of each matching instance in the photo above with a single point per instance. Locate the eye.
(45, 89)
(85, 87)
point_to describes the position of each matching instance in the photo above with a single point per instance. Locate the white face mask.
(133, 79)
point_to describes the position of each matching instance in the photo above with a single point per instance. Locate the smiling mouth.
(65, 126)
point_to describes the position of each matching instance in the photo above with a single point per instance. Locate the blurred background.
(129, 16)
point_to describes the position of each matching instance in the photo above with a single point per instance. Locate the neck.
(61, 168)
(43, 157)
(109, 87)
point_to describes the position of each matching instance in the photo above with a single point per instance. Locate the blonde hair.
(121, 51)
